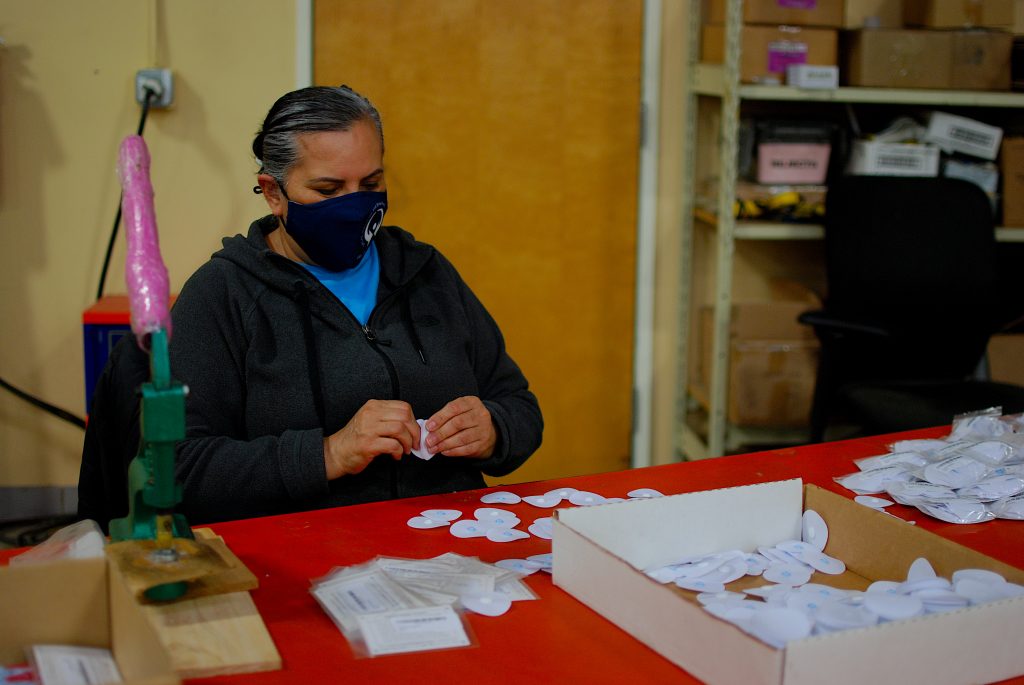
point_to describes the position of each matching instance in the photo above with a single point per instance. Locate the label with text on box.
(782, 53)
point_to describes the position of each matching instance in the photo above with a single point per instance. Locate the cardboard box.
(801, 163)
(953, 133)
(598, 552)
(1006, 358)
(1012, 166)
(981, 60)
(768, 50)
(812, 76)
(871, 158)
(80, 602)
(873, 14)
(891, 58)
(951, 14)
(794, 12)
(773, 363)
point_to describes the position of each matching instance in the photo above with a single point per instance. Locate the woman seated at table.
(312, 345)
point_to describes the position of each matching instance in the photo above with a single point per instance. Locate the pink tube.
(145, 273)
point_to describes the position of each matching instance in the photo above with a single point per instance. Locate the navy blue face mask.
(336, 233)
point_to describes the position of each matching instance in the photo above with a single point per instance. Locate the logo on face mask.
(335, 233)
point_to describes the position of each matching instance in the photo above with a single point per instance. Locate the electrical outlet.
(160, 82)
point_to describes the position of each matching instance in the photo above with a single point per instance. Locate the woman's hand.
(462, 428)
(379, 427)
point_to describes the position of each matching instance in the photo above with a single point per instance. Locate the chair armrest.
(824, 321)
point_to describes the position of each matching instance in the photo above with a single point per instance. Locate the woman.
(312, 345)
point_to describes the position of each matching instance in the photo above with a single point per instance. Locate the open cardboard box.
(82, 602)
(598, 552)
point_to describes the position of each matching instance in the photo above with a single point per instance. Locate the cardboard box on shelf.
(82, 602)
(773, 363)
(598, 558)
(1006, 358)
(951, 14)
(873, 14)
(768, 50)
(953, 133)
(894, 58)
(871, 158)
(1012, 167)
(981, 60)
(795, 12)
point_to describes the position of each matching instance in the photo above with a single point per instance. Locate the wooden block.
(215, 635)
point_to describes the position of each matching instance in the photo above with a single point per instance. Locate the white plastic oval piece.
(700, 585)
(521, 566)
(728, 572)
(644, 493)
(423, 523)
(978, 592)
(468, 529)
(979, 574)
(545, 560)
(486, 603)
(542, 501)
(725, 596)
(561, 493)
(920, 569)
(446, 515)
(779, 626)
(936, 583)
(842, 615)
(872, 501)
(821, 592)
(887, 587)
(815, 531)
(502, 497)
(485, 513)
(787, 574)
(893, 607)
(822, 562)
(583, 498)
(505, 534)
(543, 532)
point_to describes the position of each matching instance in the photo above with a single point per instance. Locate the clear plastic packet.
(991, 452)
(994, 488)
(1015, 422)
(928, 448)
(1009, 508)
(347, 593)
(956, 472)
(80, 540)
(979, 425)
(875, 481)
(963, 511)
(911, 494)
(908, 459)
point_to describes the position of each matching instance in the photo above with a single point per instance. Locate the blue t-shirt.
(355, 287)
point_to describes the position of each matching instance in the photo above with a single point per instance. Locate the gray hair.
(317, 108)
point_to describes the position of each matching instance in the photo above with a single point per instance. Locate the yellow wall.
(66, 100)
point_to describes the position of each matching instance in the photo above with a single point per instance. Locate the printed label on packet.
(782, 53)
(413, 630)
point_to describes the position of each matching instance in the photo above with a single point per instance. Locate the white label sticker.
(413, 630)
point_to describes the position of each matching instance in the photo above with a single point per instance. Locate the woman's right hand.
(379, 427)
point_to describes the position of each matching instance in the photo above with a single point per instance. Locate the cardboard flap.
(652, 532)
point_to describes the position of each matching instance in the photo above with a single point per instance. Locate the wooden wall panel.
(512, 144)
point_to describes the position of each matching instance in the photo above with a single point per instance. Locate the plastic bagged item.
(986, 423)
(875, 481)
(908, 459)
(925, 447)
(955, 472)
(957, 511)
(991, 452)
(1010, 508)
(80, 540)
(911, 494)
(994, 488)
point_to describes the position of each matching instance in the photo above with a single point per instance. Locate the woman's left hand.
(462, 428)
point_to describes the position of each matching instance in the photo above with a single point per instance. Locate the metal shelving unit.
(721, 82)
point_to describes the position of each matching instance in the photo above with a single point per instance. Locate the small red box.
(792, 162)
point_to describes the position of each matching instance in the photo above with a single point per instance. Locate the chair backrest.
(916, 256)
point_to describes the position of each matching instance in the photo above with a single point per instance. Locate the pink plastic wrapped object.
(145, 273)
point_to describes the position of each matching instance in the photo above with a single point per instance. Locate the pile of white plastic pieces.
(500, 525)
(975, 474)
(791, 608)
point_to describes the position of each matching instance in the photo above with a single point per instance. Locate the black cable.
(150, 94)
(45, 406)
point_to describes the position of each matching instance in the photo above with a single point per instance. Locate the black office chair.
(910, 307)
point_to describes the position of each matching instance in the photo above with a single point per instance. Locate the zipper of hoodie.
(371, 338)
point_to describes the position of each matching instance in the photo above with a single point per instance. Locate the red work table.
(553, 639)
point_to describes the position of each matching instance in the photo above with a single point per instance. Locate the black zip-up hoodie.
(274, 362)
